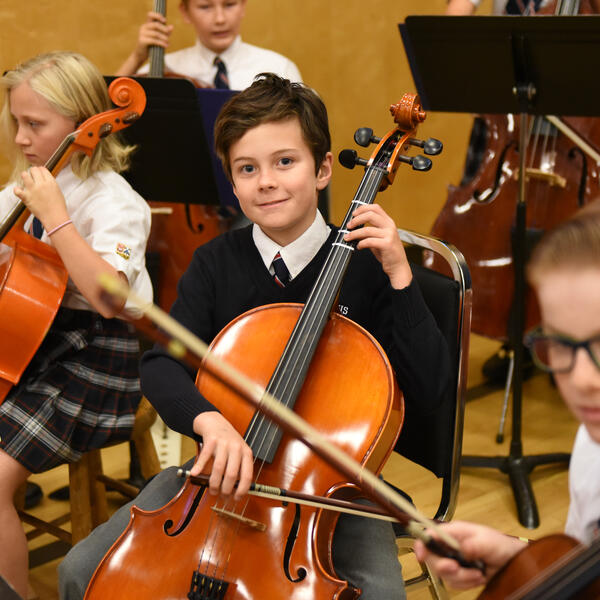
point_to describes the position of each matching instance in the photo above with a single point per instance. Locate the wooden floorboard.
(485, 494)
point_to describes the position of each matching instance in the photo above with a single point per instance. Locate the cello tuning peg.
(421, 163)
(349, 159)
(431, 146)
(364, 136)
(418, 162)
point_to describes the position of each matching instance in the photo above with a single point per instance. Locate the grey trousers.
(364, 550)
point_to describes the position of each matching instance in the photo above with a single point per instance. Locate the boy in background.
(219, 58)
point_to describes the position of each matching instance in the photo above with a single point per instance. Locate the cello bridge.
(553, 179)
(245, 520)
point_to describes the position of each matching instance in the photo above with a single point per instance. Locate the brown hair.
(571, 245)
(269, 99)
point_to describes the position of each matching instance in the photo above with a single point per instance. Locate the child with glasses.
(565, 272)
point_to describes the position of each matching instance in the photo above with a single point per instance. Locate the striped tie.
(282, 275)
(221, 80)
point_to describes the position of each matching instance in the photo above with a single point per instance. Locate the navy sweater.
(227, 277)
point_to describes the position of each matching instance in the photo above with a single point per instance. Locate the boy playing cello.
(273, 139)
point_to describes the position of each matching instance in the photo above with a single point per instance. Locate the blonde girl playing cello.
(81, 389)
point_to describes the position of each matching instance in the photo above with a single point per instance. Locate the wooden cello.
(32, 277)
(178, 228)
(562, 175)
(317, 362)
(555, 567)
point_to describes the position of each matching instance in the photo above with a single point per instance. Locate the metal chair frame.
(450, 480)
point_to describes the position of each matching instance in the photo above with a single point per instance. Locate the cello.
(562, 175)
(32, 277)
(555, 567)
(213, 548)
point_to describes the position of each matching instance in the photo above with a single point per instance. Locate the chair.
(87, 491)
(435, 441)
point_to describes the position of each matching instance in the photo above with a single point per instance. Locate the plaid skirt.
(79, 392)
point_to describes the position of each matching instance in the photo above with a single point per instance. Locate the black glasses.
(556, 353)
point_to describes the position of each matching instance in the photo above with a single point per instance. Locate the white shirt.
(298, 253)
(111, 217)
(243, 62)
(584, 488)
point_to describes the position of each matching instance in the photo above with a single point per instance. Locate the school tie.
(519, 7)
(221, 80)
(37, 228)
(282, 275)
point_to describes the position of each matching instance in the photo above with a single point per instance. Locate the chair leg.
(87, 495)
(427, 577)
(436, 587)
(148, 457)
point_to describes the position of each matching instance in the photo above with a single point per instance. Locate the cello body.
(177, 230)
(281, 551)
(479, 214)
(555, 567)
(33, 280)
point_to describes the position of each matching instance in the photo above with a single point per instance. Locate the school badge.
(123, 251)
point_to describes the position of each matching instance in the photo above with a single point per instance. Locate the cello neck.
(290, 373)
(157, 53)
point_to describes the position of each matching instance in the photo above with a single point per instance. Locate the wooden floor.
(485, 494)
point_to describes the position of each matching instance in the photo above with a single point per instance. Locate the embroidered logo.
(123, 251)
(343, 310)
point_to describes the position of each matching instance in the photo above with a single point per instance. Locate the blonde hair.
(574, 244)
(75, 88)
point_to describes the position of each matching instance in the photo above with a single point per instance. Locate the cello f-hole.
(188, 517)
(289, 547)
(584, 174)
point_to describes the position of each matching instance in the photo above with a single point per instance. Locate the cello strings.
(371, 182)
(281, 385)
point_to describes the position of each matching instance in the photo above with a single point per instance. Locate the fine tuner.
(364, 136)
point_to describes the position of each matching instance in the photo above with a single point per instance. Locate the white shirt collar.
(209, 56)
(297, 254)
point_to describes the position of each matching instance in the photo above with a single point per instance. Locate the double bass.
(562, 175)
(322, 365)
(33, 278)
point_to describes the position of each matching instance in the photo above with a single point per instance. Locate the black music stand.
(530, 67)
(173, 161)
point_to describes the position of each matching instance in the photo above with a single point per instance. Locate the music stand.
(173, 161)
(529, 66)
